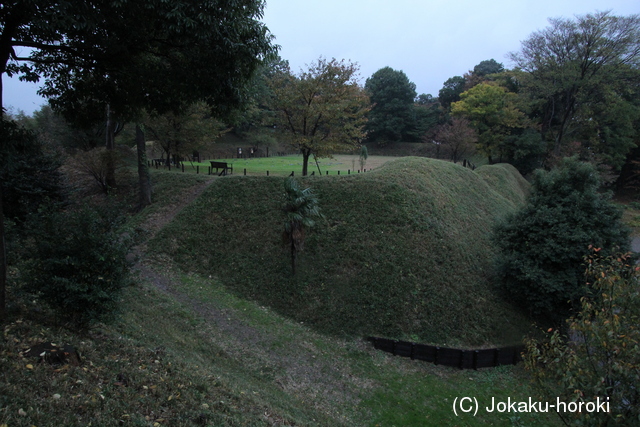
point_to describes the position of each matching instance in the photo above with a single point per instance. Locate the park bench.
(221, 165)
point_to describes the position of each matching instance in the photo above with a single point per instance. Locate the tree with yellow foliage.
(320, 111)
(493, 112)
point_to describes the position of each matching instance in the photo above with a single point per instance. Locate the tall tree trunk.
(3, 260)
(111, 145)
(144, 179)
(294, 256)
(305, 162)
(3, 254)
(12, 21)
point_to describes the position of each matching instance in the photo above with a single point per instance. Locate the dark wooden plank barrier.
(463, 359)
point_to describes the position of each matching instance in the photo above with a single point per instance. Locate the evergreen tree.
(392, 117)
(542, 246)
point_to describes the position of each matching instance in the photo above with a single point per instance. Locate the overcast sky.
(430, 40)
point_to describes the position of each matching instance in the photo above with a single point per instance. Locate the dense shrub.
(542, 246)
(29, 171)
(79, 263)
(599, 357)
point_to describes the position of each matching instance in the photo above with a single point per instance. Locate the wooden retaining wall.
(463, 359)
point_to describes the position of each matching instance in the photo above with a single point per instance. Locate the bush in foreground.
(599, 357)
(542, 245)
(79, 262)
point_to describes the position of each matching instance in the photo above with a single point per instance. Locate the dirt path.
(299, 368)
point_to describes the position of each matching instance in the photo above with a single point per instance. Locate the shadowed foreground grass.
(171, 360)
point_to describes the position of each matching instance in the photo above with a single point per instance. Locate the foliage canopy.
(492, 111)
(133, 54)
(322, 110)
(580, 79)
(392, 116)
(598, 357)
(542, 245)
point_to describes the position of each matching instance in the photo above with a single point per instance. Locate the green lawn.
(284, 165)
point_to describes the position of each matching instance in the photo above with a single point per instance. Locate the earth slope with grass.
(186, 352)
(404, 251)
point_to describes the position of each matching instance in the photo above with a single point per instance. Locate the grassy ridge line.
(405, 251)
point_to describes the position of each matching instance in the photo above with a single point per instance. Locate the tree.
(458, 137)
(364, 155)
(321, 110)
(52, 128)
(255, 122)
(492, 111)
(597, 356)
(429, 114)
(301, 209)
(525, 149)
(490, 66)
(30, 174)
(110, 69)
(392, 117)
(121, 57)
(484, 71)
(572, 71)
(182, 134)
(543, 244)
(451, 91)
(425, 99)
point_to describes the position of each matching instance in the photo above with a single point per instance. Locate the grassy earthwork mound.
(404, 251)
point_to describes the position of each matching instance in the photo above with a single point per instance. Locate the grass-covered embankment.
(186, 352)
(405, 250)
